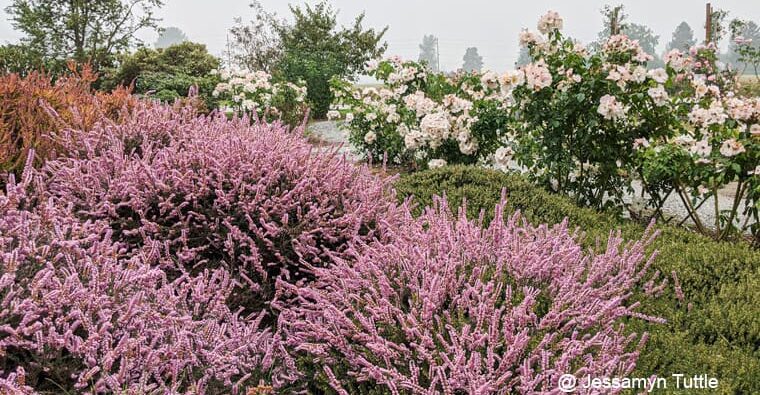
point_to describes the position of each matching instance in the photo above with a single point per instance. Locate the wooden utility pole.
(708, 24)
(614, 29)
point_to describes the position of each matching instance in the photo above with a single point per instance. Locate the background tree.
(315, 49)
(22, 59)
(615, 21)
(647, 39)
(170, 36)
(429, 52)
(717, 25)
(167, 73)
(683, 38)
(523, 58)
(472, 60)
(82, 30)
(256, 45)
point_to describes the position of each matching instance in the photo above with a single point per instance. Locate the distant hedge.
(714, 329)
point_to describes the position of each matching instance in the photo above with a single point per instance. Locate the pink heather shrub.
(207, 192)
(450, 307)
(15, 383)
(75, 318)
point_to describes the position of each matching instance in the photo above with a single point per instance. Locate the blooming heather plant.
(452, 307)
(75, 317)
(212, 192)
(15, 383)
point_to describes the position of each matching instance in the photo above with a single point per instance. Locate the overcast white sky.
(492, 26)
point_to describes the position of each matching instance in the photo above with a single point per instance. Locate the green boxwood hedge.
(714, 330)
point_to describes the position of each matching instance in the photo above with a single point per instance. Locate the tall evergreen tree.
(429, 52)
(683, 38)
(472, 60)
(524, 58)
(170, 36)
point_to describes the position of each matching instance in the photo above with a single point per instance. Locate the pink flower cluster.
(207, 192)
(537, 75)
(15, 383)
(73, 315)
(620, 43)
(452, 307)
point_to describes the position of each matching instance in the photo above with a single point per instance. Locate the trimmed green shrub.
(713, 321)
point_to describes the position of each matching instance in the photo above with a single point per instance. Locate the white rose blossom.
(701, 148)
(611, 109)
(731, 147)
(549, 22)
(370, 137)
(503, 156)
(490, 80)
(659, 75)
(640, 143)
(436, 163)
(537, 75)
(529, 38)
(659, 95)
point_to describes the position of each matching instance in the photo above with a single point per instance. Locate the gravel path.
(328, 134)
(673, 206)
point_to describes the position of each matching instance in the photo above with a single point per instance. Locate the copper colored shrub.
(33, 109)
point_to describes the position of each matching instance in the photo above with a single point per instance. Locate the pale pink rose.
(731, 147)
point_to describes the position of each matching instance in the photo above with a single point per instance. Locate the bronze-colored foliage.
(35, 108)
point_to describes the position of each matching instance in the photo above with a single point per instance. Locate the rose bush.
(718, 148)
(578, 111)
(422, 118)
(589, 122)
(257, 94)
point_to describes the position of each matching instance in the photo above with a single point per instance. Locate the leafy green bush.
(713, 327)
(167, 74)
(315, 49)
(23, 59)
